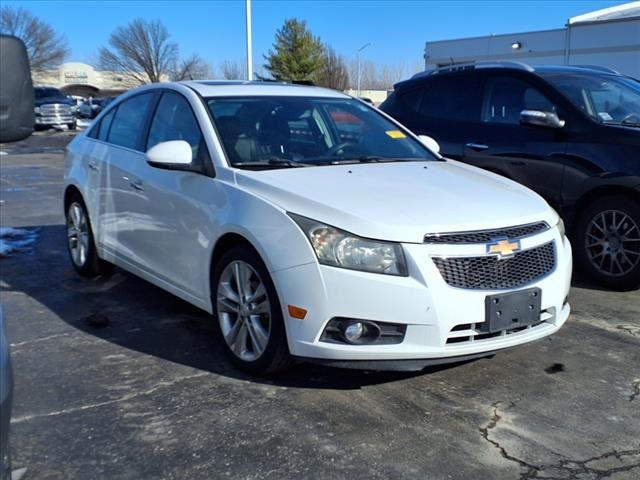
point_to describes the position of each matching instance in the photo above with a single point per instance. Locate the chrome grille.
(489, 273)
(53, 109)
(484, 236)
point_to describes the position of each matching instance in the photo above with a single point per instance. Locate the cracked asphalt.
(116, 379)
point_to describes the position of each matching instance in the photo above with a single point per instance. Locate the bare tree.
(45, 48)
(141, 49)
(333, 73)
(232, 70)
(192, 68)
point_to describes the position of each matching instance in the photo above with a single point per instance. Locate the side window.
(127, 124)
(411, 99)
(506, 97)
(451, 97)
(174, 120)
(105, 124)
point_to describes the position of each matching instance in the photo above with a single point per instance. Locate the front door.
(531, 155)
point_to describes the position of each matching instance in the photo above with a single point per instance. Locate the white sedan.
(313, 226)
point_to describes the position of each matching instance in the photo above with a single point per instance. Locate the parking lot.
(118, 379)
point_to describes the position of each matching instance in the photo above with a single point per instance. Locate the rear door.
(445, 107)
(533, 156)
(118, 219)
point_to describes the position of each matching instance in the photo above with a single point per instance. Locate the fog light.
(354, 331)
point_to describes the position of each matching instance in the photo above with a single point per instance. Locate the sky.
(397, 30)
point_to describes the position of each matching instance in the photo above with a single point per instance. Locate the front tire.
(80, 242)
(248, 313)
(608, 242)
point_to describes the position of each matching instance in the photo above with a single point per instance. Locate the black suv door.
(442, 106)
(531, 155)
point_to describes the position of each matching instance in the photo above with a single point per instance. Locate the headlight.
(338, 248)
(561, 228)
(36, 109)
(560, 225)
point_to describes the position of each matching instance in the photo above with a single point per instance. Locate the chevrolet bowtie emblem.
(503, 247)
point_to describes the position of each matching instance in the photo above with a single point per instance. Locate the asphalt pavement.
(117, 379)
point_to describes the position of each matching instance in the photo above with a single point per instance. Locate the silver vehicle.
(52, 108)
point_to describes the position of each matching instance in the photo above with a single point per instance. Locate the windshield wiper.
(375, 159)
(271, 161)
(625, 123)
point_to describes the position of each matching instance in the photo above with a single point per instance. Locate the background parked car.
(52, 108)
(572, 134)
(92, 107)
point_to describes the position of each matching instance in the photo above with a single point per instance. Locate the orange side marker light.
(297, 312)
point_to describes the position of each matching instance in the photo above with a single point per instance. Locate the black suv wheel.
(607, 242)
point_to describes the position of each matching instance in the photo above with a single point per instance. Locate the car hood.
(48, 100)
(400, 201)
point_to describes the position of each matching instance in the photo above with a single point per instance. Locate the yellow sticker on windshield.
(395, 134)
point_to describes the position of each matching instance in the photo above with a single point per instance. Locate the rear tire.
(72, 126)
(80, 241)
(607, 240)
(248, 313)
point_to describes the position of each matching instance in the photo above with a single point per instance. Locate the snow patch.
(14, 240)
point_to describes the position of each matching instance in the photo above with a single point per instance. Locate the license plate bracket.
(506, 311)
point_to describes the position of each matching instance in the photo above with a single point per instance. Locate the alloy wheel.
(244, 310)
(612, 241)
(78, 234)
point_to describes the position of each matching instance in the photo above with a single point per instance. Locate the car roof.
(418, 78)
(231, 88)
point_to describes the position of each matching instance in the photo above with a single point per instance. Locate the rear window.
(452, 97)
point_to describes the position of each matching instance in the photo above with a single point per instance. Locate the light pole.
(359, 66)
(249, 62)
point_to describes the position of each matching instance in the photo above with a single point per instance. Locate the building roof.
(627, 10)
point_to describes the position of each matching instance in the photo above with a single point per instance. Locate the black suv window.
(129, 120)
(506, 97)
(450, 98)
(174, 120)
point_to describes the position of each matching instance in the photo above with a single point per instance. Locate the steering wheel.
(340, 146)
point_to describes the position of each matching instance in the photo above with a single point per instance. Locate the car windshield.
(47, 92)
(605, 98)
(276, 132)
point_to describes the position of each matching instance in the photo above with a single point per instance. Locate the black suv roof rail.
(597, 67)
(477, 65)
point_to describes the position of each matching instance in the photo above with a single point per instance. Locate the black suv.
(572, 134)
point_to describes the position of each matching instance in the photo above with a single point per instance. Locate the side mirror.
(172, 155)
(541, 119)
(430, 143)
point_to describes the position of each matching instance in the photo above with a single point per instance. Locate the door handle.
(136, 185)
(92, 166)
(518, 163)
(478, 147)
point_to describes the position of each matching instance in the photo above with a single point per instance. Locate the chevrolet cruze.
(311, 225)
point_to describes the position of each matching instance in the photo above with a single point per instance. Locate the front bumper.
(55, 120)
(423, 301)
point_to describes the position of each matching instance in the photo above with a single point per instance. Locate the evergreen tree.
(296, 55)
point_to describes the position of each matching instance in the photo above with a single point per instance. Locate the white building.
(83, 80)
(607, 38)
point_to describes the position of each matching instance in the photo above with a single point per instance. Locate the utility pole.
(359, 66)
(249, 54)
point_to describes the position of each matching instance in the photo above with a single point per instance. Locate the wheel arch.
(597, 193)
(69, 193)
